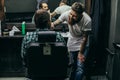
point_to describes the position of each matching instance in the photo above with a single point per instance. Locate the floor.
(13, 78)
(23, 78)
(16, 78)
(99, 78)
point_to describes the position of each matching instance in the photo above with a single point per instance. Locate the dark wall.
(13, 6)
(10, 57)
(100, 14)
(53, 4)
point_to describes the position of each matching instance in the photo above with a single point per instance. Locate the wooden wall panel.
(2, 14)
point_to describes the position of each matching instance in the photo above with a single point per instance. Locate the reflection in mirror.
(19, 10)
(23, 10)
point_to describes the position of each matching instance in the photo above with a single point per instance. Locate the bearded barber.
(79, 23)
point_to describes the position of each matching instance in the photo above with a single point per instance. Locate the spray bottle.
(23, 28)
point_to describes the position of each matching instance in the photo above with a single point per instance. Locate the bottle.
(23, 28)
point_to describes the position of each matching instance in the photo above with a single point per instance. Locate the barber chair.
(47, 59)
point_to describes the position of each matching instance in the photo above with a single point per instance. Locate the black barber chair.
(47, 59)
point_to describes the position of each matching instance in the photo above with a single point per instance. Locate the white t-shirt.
(62, 9)
(75, 38)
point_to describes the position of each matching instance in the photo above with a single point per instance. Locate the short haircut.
(42, 19)
(78, 7)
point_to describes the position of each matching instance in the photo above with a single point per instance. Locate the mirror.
(23, 10)
(19, 10)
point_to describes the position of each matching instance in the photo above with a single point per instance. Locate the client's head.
(42, 19)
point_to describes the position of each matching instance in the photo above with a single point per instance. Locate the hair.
(42, 19)
(78, 7)
(40, 5)
(63, 1)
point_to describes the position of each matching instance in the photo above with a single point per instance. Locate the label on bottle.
(47, 50)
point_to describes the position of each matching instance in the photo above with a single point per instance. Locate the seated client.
(43, 23)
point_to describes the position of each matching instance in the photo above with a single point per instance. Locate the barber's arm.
(81, 56)
(53, 14)
(63, 17)
(86, 32)
(53, 24)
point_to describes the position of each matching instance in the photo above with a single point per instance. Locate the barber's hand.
(81, 57)
(52, 25)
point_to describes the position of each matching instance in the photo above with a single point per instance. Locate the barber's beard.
(72, 21)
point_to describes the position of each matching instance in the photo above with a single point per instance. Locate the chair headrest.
(47, 36)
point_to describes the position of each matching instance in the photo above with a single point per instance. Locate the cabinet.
(113, 64)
